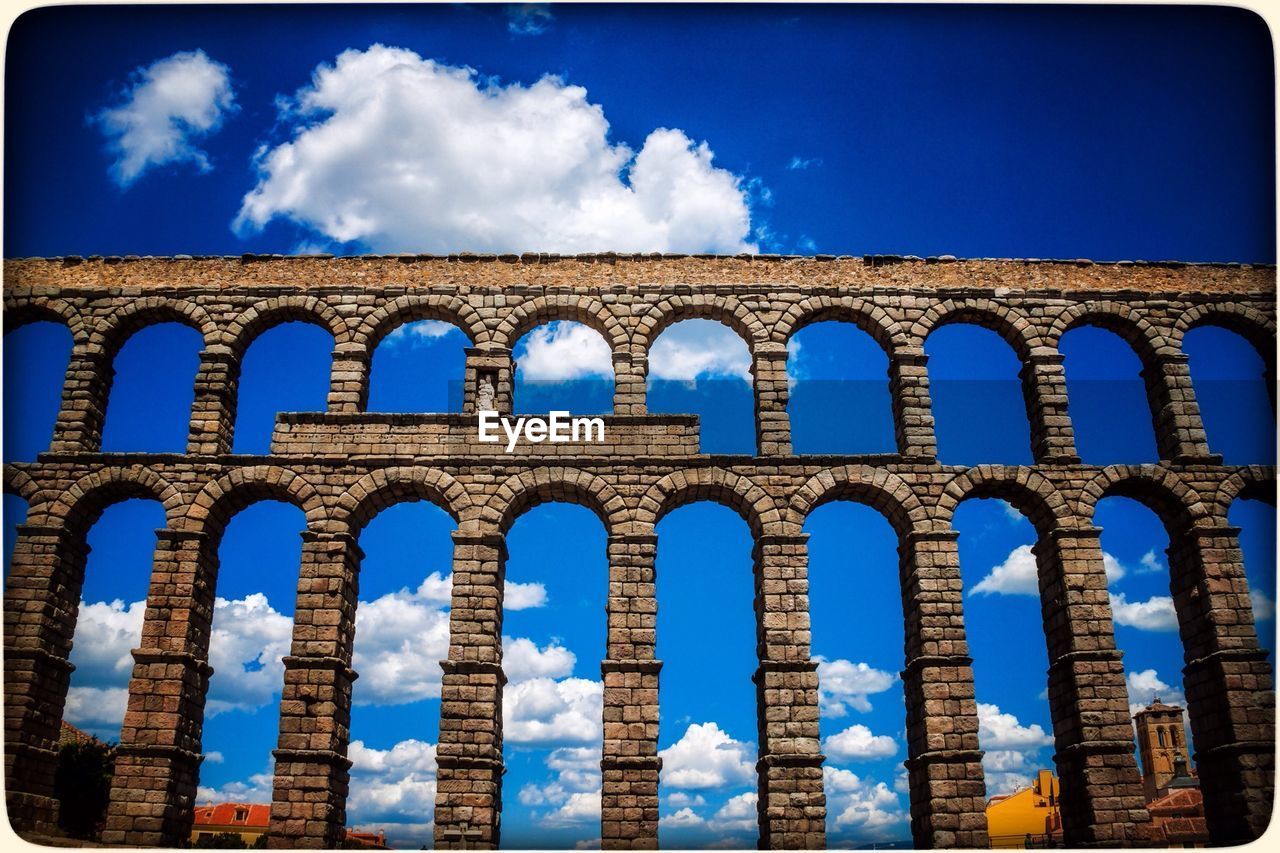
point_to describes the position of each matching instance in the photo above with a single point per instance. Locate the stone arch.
(1146, 340)
(221, 499)
(722, 309)
(882, 490)
(1255, 482)
(413, 307)
(1175, 503)
(1248, 322)
(82, 503)
(18, 482)
(386, 487)
(23, 312)
(269, 313)
(1007, 322)
(863, 313)
(735, 491)
(586, 310)
(523, 491)
(1029, 492)
(119, 326)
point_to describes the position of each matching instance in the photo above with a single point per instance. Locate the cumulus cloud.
(543, 711)
(1150, 563)
(737, 815)
(861, 808)
(707, 757)
(97, 710)
(857, 743)
(694, 349)
(842, 683)
(679, 799)
(255, 789)
(106, 635)
(523, 660)
(401, 153)
(1015, 576)
(998, 730)
(1264, 607)
(1145, 686)
(560, 351)
(1154, 614)
(167, 106)
(682, 819)
(394, 789)
(246, 649)
(419, 333)
(523, 596)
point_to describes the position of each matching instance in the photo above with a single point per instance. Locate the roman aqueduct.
(343, 465)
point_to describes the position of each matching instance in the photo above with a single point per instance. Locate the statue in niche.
(485, 393)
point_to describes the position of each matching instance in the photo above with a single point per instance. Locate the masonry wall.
(343, 466)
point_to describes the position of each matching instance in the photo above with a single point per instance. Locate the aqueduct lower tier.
(344, 465)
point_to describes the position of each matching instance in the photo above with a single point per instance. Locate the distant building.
(70, 734)
(1026, 818)
(1161, 743)
(1173, 793)
(250, 822)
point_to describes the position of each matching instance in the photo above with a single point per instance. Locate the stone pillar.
(792, 804)
(769, 379)
(912, 406)
(213, 414)
(1102, 798)
(78, 428)
(153, 790)
(349, 379)
(469, 757)
(630, 764)
(41, 599)
(489, 380)
(629, 375)
(1230, 692)
(944, 761)
(1044, 387)
(1180, 436)
(309, 795)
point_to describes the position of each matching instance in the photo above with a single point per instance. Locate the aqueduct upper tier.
(341, 466)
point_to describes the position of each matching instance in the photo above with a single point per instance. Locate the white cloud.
(528, 19)
(419, 332)
(707, 757)
(106, 635)
(1006, 782)
(246, 649)
(542, 711)
(523, 596)
(394, 789)
(738, 814)
(693, 349)
(577, 809)
(256, 789)
(799, 163)
(214, 757)
(587, 844)
(1150, 563)
(998, 730)
(864, 809)
(682, 819)
(1264, 607)
(857, 743)
(522, 660)
(1011, 512)
(99, 710)
(1145, 686)
(168, 105)
(560, 351)
(401, 637)
(1015, 576)
(842, 682)
(1154, 614)
(1112, 567)
(679, 799)
(401, 153)
(999, 760)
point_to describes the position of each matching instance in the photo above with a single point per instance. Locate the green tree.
(82, 785)
(221, 841)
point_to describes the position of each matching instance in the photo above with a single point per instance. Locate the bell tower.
(1161, 743)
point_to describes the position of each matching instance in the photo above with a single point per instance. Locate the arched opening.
(563, 366)
(36, 356)
(149, 406)
(1110, 415)
(703, 367)
(286, 369)
(1256, 518)
(860, 695)
(1003, 623)
(706, 641)
(553, 641)
(839, 400)
(402, 634)
(258, 559)
(419, 367)
(1229, 378)
(974, 379)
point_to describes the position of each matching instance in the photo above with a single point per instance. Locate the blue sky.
(1106, 133)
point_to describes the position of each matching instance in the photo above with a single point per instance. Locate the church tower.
(1161, 743)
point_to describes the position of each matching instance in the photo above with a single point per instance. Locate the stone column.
(912, 405)
(1230, 692)
(153, 790)
(944, 761)
(78, 428)
(630, 763)
(349, 379)
(41, 599)
(1180, 436)
(1044, 387)
(769, 379)
(489, 380)
(629, 375)
(213, 414)
(1101, 790)
(309, 795)
(469, 757)
(792, 804)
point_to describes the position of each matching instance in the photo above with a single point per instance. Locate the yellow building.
(1027, 818)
